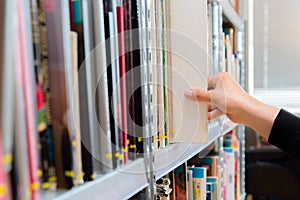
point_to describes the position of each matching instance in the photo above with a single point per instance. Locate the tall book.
(159, 74)
(129, 56)
(40, 103)
(112, 75)
(137, 78)
(87, 126)
(60, 70)
(189, 68)
(122, 82)
(78, 179)
(25, 73)
(44, 80)
(20, 175)
(103, 128)
(7, 77)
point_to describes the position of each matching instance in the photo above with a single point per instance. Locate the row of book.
(213, 177)
(230, 60)
(85, 82)
(57, 126)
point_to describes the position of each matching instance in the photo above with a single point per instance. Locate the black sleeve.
(285, 133)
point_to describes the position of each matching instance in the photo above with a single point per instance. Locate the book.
(229, 192)
(98, 48)
(25, 73)
(214, 181)
(60, 73)
(112, 76)
(40, 102)
(189, 69)
(137, 77)
(87, 120)
(45, 81)
(199, 182)
(129, 35)
(121, 55)
(78, 179)
(159, 79)
(180, 176)
(7, 77)
(189, 184)
(20, 169)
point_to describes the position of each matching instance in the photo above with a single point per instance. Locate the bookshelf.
(127, 179)
(133, 173)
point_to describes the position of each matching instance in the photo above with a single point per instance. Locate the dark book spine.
(131, 143)
(138, 113)
(114, 132)
(41, 126)
(44, 64)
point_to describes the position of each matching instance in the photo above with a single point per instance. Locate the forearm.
(259, 116)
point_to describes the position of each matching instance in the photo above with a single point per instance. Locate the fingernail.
(188, 93)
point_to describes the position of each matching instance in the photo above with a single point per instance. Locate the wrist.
(260, 117)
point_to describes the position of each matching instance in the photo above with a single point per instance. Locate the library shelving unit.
(127, 180)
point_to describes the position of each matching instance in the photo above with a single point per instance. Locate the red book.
(25, 73)
(120, 19)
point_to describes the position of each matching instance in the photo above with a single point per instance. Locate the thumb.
(197, 94)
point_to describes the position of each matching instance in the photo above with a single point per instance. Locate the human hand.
(225, 96)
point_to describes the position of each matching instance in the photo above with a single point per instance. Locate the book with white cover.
(188, 38)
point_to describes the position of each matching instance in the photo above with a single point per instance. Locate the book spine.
(100, 84)
(4, 184)
(39, 79)
(8, 78)
(86, 100)
(131, 142)
(26, 75)
(120, 16)
(117, 89)
(46, 90)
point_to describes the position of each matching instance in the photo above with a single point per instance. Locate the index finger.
(197, 94)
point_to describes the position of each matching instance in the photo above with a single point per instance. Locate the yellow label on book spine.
(93, 176)
(45, 185)
(52, 179)
(140, 139)
(7, 159)
(40, 173)
(35, 186)
(69, 173)
(2, 190)
(108, 155)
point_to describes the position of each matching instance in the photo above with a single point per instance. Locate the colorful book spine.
(189, 184)
(180, 182)
(26, 74)
(121, 40)
(199, 183)
(46, 90)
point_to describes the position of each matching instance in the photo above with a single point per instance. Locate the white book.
(229, 174)
(100, 77)
(188, 23)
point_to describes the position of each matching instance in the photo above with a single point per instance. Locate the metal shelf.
(231, 14)
(122, 183)
(126, 181)
(169, 158)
